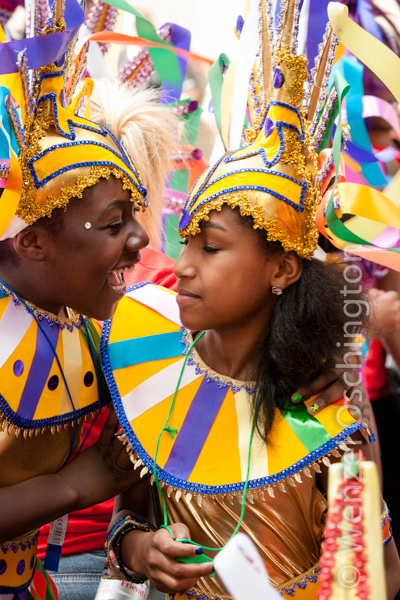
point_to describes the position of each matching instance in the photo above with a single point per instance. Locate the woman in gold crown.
(256, 316)
(53, 160)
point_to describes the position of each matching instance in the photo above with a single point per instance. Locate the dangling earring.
(88, 225)
(276, 289)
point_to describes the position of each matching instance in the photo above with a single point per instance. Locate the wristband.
(114, 542)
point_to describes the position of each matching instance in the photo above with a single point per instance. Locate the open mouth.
(116, 279)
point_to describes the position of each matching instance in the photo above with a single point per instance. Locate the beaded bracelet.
(114, 542)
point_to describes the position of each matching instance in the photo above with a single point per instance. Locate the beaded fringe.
(281, 485)
(10, 428)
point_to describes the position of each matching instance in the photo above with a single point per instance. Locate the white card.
(242, 570)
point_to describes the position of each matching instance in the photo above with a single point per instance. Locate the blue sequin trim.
(100, 163)
(197, 487)
(76, 165)
(298, 207)
(279, 125)
(191, 200)
(89, 125)
(18, 421)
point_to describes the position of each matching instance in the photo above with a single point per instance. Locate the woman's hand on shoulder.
(331, 388)
(155, 555)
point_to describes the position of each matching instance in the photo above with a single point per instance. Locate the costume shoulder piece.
(142, 353)
(37, 357)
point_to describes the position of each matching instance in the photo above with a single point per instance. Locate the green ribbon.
(216, 80)
(308, 429)
(165, 61)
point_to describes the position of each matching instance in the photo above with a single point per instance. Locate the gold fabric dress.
(202, 457)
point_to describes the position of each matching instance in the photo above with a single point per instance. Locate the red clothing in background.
(375, 376)
(87, 529)
(154, 267)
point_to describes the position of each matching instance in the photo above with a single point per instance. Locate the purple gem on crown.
(278, 78)
(185, 220)
(239, 25)
(268, 127)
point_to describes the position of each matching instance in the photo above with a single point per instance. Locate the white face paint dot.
(88, 225)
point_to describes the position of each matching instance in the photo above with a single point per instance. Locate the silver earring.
(276, 289)
(88, 225)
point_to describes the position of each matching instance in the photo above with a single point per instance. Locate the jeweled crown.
(53, 152)
(276, 177)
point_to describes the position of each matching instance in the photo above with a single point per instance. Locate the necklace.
(172, 433)
(73, 319)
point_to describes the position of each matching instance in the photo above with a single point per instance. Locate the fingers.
(317, 386)
(109, 429)
(167, 573)
(332, 393)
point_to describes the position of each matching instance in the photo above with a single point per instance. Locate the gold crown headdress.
(275, 177)
(53, 152)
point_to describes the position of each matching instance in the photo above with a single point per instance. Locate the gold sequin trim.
(292, 584)
(30, 212)
(305, 249)
(213, 374)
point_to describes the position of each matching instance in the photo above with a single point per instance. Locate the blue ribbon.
(7, 135)
(352, 71)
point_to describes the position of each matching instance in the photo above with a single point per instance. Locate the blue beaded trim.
(279, 125)
(127, 160)
(191, 200)
(197, 487)
(21, 423)
(302, 585)
(100, 163)
(97, 129)
(5, 589)
(194, 594)
(298, 207)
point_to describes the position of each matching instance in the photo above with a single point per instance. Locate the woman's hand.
(155, 555)
(344, 381)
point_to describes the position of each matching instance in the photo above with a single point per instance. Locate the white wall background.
(210, 22)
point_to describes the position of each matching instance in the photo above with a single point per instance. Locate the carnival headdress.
(50, 153)
(275, 176)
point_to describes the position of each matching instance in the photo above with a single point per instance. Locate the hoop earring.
(276, 289)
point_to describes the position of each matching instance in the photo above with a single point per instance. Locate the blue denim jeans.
(79, 575)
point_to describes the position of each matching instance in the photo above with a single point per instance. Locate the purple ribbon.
(317, 20)
(180, 38)
(39, 371)
(195, 429)
(45, 49)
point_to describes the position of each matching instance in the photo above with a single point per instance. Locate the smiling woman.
(85, 266)
(208, 413)
(68, 232)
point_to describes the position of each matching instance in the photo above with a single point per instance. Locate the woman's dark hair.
(306, 335)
